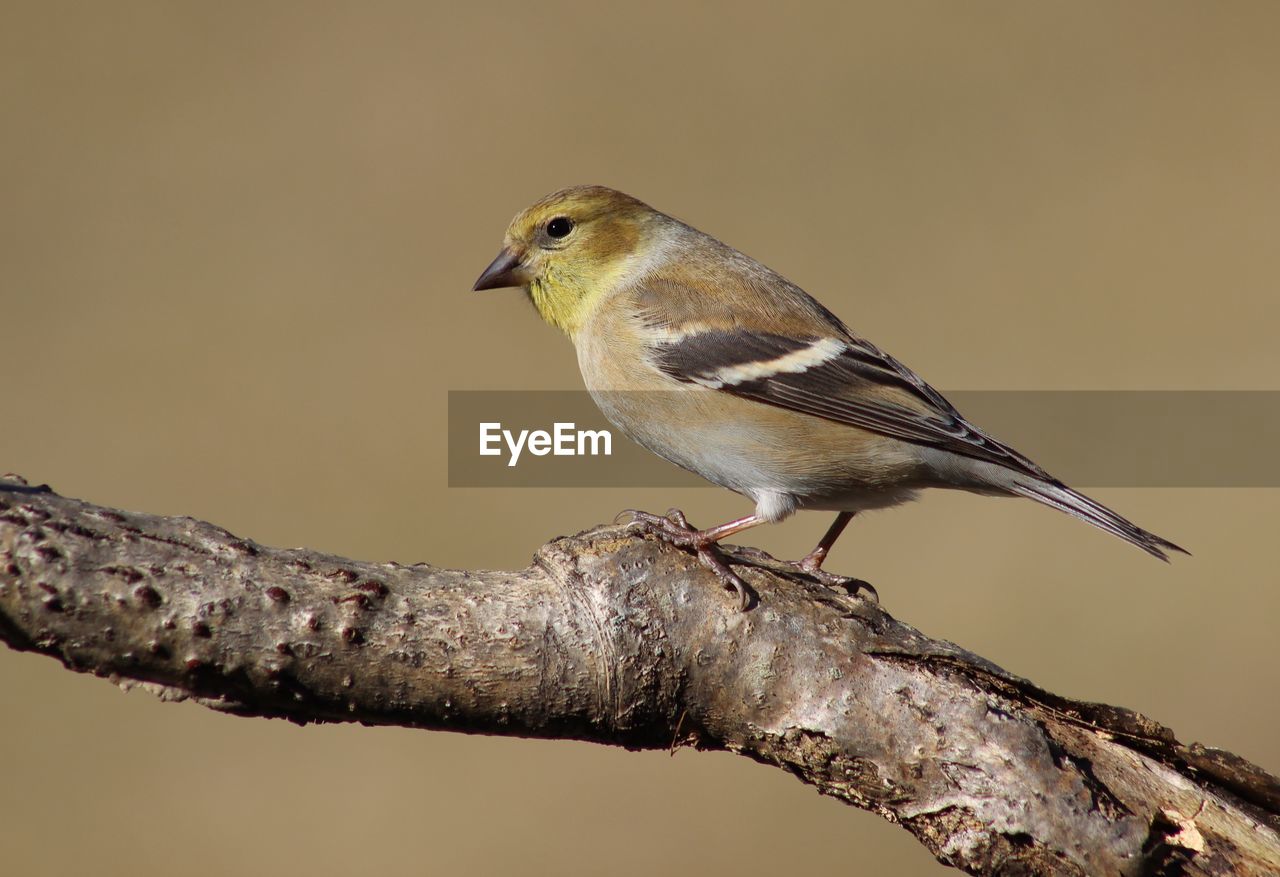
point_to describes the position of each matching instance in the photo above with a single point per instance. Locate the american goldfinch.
(724, 367)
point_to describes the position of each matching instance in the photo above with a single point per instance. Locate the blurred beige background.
(236, 247)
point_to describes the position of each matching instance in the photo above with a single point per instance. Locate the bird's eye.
(559, 227)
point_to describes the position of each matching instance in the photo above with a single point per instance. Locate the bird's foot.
(674, 529)
(851, 586)
(713, 559)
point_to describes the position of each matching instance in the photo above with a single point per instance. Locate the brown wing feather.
(860, 386)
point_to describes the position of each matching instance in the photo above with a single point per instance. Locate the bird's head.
(571, 248)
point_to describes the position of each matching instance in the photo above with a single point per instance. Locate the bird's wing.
(832, 375)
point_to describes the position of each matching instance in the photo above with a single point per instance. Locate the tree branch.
(615, 638)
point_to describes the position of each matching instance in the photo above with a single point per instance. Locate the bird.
(724, 367)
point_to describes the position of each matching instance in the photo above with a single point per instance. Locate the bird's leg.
(811, 563)
(674, 529)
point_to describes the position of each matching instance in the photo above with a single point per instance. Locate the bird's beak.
(506, 270)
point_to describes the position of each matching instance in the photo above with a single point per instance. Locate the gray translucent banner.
(1088, 438)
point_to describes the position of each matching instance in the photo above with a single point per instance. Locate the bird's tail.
(1057, 495)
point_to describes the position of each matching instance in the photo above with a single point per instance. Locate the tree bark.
(616, 638)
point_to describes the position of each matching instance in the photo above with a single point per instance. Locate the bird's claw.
(671, 528)
(674, 529)
(850, 586)
(713, 560)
